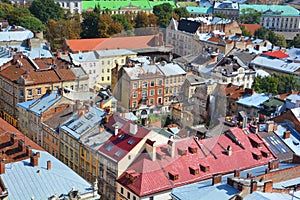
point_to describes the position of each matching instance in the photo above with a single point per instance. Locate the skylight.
(109, 147)
(131, 141)
(121, 137)
(118, 153)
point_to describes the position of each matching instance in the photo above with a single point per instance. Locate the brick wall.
(281, 175)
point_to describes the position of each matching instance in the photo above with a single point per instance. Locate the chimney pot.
(2, 167)
(34, 159)
(237, 173)
(48, 165)
(229, 150)
(101, 104)
(216, 179)
(287, 134)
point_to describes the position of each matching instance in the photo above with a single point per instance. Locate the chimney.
(108, 116)
(275, 128)
(253, 186)
(2, 167)
(15, 59)
(48, 165)
(81, 112)
(57, 53)
(249, 175)
(56, 96)
(13, 138)
(216, 179)
(273, 164)
(287, 134)
(34, 159)
(267, 170)
(116, 130)
(21, 145)
(270, 126)
(92, 104)
(229, 150)
(268, 186)
(237, 173)
(101, 128)
(171, 147)
(28, 150)
(151, 149)
(101, 104)
(133, 128)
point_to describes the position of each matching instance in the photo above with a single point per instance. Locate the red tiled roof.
(134, 42)
(211, 153)
(233, 91)
(13, 72)
(276, 54)
(283, 96)
(120, 143)
(251, 27)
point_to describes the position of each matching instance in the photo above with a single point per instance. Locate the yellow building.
(23, 79)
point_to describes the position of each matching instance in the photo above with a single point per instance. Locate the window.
(151, 92)
(102, 70)
(103, 63)
(160, 82)
(144, 84)
(108, 78)
(39, 91)
(159, 91)
(108, 62)
(151, 101)
(128, 195)
(108, 70)
(134, 95)
(167, 81)
(152, 84)
(134, 104)
(30, 92)
(21, 93)
(134, 86)
(122, 190)
(144, 93)
(134, 197)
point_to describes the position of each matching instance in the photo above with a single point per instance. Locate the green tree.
(181, 13)
(221, 15)
(261, 33)
(245, 32)
(32, 23)
(123, 20)
(296, 41)
(276, 84)
(46, 10)
(164, 14)
(280, 41)
(250, 16)
(90, 25)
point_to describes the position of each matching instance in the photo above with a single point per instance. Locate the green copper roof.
(273, 102)
(199, 10)
(283, 10)
(116, 5)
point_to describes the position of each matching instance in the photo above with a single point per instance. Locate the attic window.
(119, 153)
(266, 154)
(193, 149)
(194, 170)
(173, 176)
(204, 167)
(257, 155)
(131, 141)
(182, 152)
(109, 147)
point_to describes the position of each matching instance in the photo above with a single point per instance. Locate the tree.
(250, 16)
(164, 14)
(276, 39)
(123, 20)
(245, 32)
(181, 13)
(275, 84)
(32, 23)
(108, 27)
(90, 25)
(296, 41)
(46, 10)
(261, 33)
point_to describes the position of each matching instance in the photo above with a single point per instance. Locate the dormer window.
(194, 170)
(173, 176)
(193, 149)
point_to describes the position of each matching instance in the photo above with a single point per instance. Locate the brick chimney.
(48, 165)
(81, 112)
(34, 159)
(237, 173)
(101, 104)
(217, 178)
(253, 186)
(270, 126)
(287, 134)
(28, 150)
(13, 138)
(2, 167)
(268, 186)
(249, 175)
(273, 164)
(21, 145)
(101, 128)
